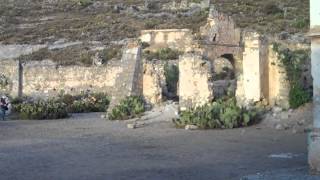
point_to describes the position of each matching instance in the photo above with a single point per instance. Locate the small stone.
(279, 127)
(191, 127)
(243, 131)
(276, 109)
(286, 126)
(103, 116)
(294, 131)
(284, 116)
(131, 126)
(301, 122)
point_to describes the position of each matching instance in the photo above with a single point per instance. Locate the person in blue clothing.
(3, 108)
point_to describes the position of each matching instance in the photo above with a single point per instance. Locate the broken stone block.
(191, 127)
(132, 126)
(284, 115)
(279, 127)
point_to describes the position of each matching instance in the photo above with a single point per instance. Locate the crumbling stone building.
(247, 58)
(251, 56)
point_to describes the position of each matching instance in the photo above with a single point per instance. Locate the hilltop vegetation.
(268, 16)
(41, 21)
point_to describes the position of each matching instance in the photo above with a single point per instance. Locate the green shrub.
(128, 108)
(293, 61)
(110, 53)
(223, 113)
(168, 53)
(98, 102)
(42, 109)
(162, 54)
(85, 3)
(271, 8)
(171, 73)
(196, 1)
(85, 58)
(3, 81)
(151, 24)
(300, 23)
(298, 96)
(145, 45)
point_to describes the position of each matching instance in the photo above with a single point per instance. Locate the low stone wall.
(45, 78)
(180, 39)
(195, 83)
(48, 79)
(14, 51)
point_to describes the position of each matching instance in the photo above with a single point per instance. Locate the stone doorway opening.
(171, 73)
(224, 80)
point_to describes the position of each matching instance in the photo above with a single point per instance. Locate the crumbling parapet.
(195, 83)
(220, 29)
(180, 39)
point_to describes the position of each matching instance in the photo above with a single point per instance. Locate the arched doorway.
(224, 80)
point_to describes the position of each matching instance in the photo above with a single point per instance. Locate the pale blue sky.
(315, 12)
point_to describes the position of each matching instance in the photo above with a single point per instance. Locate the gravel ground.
(88, 147)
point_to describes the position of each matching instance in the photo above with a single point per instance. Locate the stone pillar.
(195, 81)
(252, 68)
(129, 81)
(152, 90)
(314, 136)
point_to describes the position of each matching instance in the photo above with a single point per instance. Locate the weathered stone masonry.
(46, 78)
(195, 84)
(250, 56)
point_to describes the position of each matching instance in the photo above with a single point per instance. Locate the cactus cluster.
(223, 113)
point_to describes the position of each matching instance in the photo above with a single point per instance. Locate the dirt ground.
(88, 147)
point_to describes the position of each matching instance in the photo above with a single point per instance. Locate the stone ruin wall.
(195, 83)
(252, 70)
(260, 79)
(220, 29)
(153, 82)
(257, 77)
(252, 58)
(48, 79)
(180, 39)
(278, 83)
(155, 90)
(118, 78)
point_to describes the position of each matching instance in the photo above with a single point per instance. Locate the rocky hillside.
(39, 21)
(99, 24)
(268, 16)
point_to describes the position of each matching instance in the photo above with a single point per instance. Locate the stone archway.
(224, 82)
